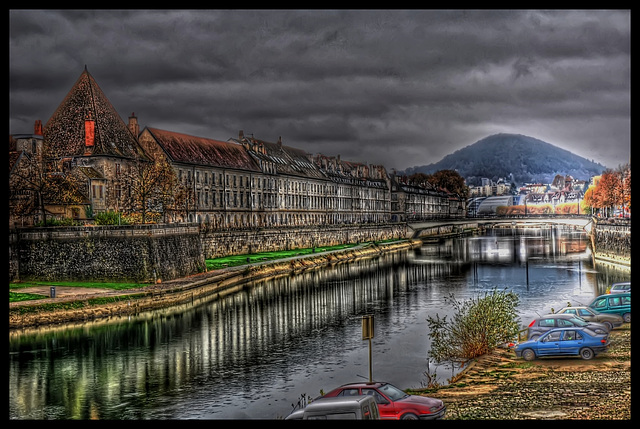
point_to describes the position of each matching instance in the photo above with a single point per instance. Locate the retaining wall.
(144, 253)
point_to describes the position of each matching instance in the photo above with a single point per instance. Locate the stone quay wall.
(139, 253)
(144, 253)
(217, 244)
(612, 242)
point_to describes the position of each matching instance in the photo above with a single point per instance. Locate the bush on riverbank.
(478, 326)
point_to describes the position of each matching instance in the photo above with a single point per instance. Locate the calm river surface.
(253, 354)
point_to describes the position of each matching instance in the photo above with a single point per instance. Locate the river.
(257, 352)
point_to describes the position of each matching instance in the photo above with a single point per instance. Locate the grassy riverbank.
(15, 295)
(81, 303)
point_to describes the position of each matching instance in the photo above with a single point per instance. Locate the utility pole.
(367, 334)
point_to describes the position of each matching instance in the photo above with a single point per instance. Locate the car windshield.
(579, 321)
(392, 392)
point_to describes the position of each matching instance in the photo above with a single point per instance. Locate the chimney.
(133, 125)
(37, 128)
(280, 141)
(240, 135)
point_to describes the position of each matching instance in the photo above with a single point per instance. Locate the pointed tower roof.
(65, 133)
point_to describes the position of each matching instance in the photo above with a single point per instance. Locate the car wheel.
(528, 354)
(608, 325)
(586, 353)
(409, 416)
(626, 317)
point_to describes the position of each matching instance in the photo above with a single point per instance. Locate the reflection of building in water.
(490, 204)
(511, 244)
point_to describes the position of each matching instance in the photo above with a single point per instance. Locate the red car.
(393, 403)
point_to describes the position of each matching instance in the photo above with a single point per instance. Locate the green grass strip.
(212, 264)
(237, 260)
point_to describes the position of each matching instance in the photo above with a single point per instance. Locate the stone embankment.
(85, 304)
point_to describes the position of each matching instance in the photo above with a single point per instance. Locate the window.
(349, 392)
(547, 323)
(553, 336)
(565, 323)
(376, 395)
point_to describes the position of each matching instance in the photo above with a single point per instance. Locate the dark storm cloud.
(395, 87)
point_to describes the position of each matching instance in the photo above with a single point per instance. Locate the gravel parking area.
(501, 387)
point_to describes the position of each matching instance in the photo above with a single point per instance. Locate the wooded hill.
(520, 159)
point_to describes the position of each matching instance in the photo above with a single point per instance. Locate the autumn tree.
(419, 179)
(624, 195)
(36, 182)
(588, 201)
(606, 193)
(150, 185)
(451, 181)
(611, 189)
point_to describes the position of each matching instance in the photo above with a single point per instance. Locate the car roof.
(612, 295)
(574, 328)
(561, 316)
(365, 384)
(337, 400)
(621, 283)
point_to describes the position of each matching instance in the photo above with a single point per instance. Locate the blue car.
(573, 341)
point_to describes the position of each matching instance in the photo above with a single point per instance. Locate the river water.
(257, 352)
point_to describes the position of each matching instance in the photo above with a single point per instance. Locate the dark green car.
(617, 303)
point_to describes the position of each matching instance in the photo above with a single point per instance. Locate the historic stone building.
(242, 182)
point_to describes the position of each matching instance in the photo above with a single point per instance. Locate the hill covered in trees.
(519, 158)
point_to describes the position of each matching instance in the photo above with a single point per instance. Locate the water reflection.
(253, 353)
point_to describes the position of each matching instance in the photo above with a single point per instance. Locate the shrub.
(109, 218)
(478, 326)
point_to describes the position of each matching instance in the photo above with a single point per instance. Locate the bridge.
(453, 226)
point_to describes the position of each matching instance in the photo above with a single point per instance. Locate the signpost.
(367, 334)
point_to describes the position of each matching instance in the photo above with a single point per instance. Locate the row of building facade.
(242, 182)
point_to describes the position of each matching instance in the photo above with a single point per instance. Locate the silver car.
(361, 407)
(551, 321)
(620, 287)
(611, 321)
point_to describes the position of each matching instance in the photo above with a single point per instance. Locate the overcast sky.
(401, 88)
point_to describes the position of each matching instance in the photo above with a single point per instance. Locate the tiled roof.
(64, 133)
(203, 151)
(14, 156)
(287, 160)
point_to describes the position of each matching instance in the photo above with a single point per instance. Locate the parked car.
(394, 403)
(615, 303)
(339, 407)
(550, 321)
(574, 341)
(611, 321)
(620, 287)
